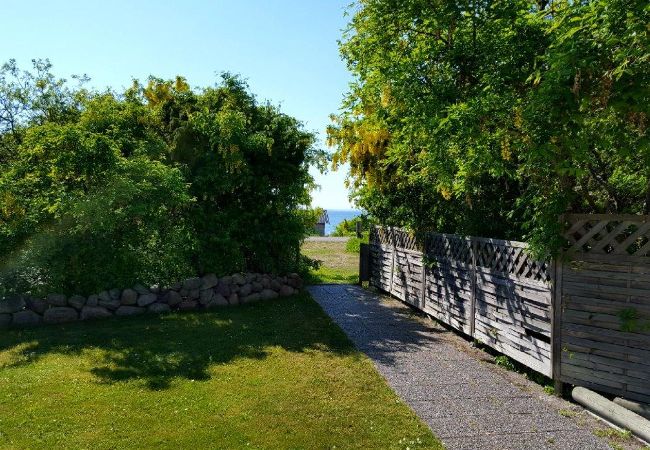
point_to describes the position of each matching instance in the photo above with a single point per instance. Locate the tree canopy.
(493, 117)
(105, 189)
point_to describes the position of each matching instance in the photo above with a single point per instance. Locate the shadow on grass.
(157, 349)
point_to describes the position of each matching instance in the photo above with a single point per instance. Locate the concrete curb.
(612, 412)
(641, 409)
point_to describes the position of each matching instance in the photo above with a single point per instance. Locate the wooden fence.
(487, 288)
(604, 304)
(583, 318)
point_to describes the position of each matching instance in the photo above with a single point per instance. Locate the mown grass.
(337, 264)
(271, 375)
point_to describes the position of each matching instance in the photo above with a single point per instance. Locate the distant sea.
(337, 216)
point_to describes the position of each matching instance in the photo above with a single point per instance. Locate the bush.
(149, 186)
(348, 227)
(354, 243)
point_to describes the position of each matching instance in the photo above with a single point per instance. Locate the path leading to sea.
(466, 401)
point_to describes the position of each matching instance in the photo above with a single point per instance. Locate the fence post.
(472, 322)
(556, 325)
(424, 273)
(392, 263)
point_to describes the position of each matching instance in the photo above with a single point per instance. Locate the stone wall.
(207, 292)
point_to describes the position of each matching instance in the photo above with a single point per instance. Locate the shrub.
(152, 185)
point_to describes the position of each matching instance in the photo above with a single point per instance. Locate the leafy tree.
(493, 117)
(160, 182)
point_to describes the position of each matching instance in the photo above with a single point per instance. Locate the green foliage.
(354, 243)
(632, 322)
(348, 227)
(104, 190)
(310, 218)
(494, 117)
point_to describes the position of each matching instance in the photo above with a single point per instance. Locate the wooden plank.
(498, 277)
(556, 326)
(544, 367)
(472, 301)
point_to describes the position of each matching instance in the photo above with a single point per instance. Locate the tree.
(151, 185)
(466, 117)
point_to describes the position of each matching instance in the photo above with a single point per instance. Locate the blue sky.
(286, 49)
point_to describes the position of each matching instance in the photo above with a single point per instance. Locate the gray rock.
(77, 302)
(95, 312)
(115, 294)
(5, 320)
(176, 286)
(147, 299)
(140, 289)
(129, 297)
(245, 290)
(250, 277)
(188, 305)
(12, 304)
(226, 280)
(268, 294)
(158, 308)
(192, 283)
(257, 286)
(155, 289)
(266, 282)
(104, 296)
(223, 289)
(286, 291)
(193, 294)
(276, 285)
(109, 303)
(252, 298)
(37, 305)
(24, 319)
(206, 296)
(60, 314)
(172, 298)
(218, 301)
(209, 281)
(233, 299)
(93, 300)
(57, 300)
(238, 279)
(294, 280)
(129, 311)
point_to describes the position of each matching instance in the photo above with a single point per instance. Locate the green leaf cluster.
(106, 189)
(494, 117)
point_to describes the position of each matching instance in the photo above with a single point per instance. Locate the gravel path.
(467, 402)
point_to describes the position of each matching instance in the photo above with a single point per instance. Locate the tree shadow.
(159, 349)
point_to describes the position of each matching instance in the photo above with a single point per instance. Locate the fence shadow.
(384, 331)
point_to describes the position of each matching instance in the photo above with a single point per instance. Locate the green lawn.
(278, 374)
(338, 265)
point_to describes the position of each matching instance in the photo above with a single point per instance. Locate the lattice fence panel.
(511, 258)
(595, 234)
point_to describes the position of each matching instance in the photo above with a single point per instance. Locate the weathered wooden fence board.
(487, 288)
(583, 319)
(605, 295)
